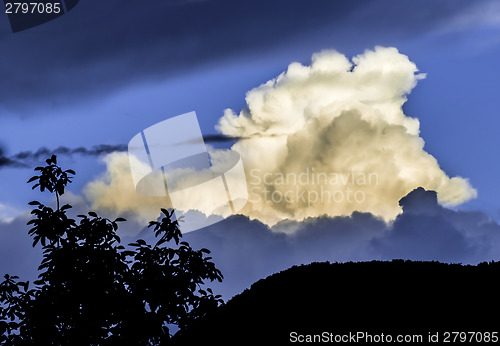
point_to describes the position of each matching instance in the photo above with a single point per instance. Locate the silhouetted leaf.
(161, 241)
(33, 178)
(65, 207)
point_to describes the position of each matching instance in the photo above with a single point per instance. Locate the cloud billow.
(335, 118)
(327, 139)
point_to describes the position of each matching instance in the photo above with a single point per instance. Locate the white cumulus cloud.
(338, 125)
(326, 139)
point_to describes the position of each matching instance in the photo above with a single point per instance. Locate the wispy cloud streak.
(25, 159)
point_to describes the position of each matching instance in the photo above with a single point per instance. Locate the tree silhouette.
(94, 291)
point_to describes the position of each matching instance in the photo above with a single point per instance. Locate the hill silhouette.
(378, 297)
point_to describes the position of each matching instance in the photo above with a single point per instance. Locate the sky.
(406, 90)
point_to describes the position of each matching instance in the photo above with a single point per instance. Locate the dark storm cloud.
(426, 231)
(7, 161)
(247, 250)
(103, 45)
(27, 158)
(218, 138)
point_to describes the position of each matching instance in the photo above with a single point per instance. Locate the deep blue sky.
(108, 69)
